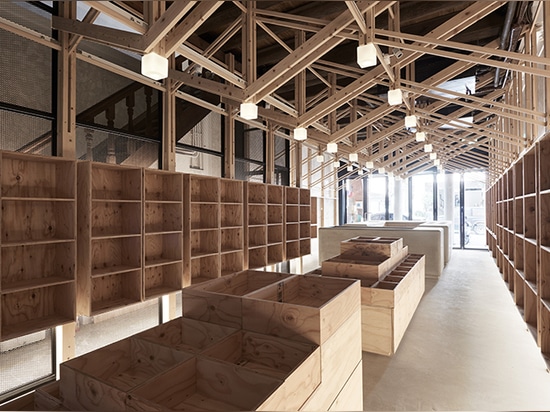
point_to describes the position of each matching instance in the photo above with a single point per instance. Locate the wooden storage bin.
(231, 215)
(257, 214)
(388, 306)
(304, 308)
(231, 191)
(162, 279)
(305, 230)
(113, 291)
(274, 234)
(115, 218)
(204, 242)
(204, 189)
(231, 240)
(205, 216)
(274, 214)
(37, 221)
(275, 254)
(205, 384)
(305, 213)
(305, 247)
(305, 197)
(51, 263)
(292, 195)
(30, 310)
(292, 214)
(205, 268)
(256, 192)
(232, 262)
(163, 217)
(297, 364)
(30, 176)
(292, 249)
(275, 194)
(371, 246)
(187, 335)
(257, 257)
(365, 269)
(101, 380)
(257, 236)
(162, 186)
(292, 231)
(220, 301)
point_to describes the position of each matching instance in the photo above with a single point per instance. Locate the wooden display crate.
(186, 334)
(48, 398)
(205, 384)
(297, 364)
(220, 301)
(365, 268)
(101, 380)
(371, 246)
(305, 308)
(389, 305)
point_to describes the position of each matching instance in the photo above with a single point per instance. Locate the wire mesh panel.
(198, 163)
(25, 133)
(109, 147)
(249, 171)
(25, 360)
(206, 134)
(25, 82)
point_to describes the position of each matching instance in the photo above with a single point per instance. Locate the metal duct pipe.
(505, 34)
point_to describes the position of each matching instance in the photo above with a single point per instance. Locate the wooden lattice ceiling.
(297, 61)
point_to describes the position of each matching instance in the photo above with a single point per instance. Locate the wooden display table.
(392, 284)
(282, 350)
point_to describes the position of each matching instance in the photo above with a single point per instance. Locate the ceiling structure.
(456, 62)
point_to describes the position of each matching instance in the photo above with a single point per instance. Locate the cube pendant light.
(366, 55)
(395, 97)
(300, 134)
(428, 147)
(332, 147)
(410, 121)
(369, 165)
(154, 66)
(353, 157)
(420, 136)
(320, 158)
(249, 111)
(433, 156)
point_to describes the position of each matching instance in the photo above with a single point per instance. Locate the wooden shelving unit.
(314, 224)
(231, 226)
(305, 222)
(109, 237)
(201, 228)
(162, 233)
(292, 222)
(37, 282)
(275, 224)
(519, 236)
(256, 223)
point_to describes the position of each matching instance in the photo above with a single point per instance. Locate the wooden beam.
(119, 14)
(185, 29)
(304, 55)
(100, 34)
(90, 17)
(29, 34)
(165, 23)
(223, 90)
(447, 30)
(357, 15)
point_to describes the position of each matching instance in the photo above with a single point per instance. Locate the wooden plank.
(186, 334)
(350, 397)
(302, 308)
(371, 246)
(103, 378)
(340, 356)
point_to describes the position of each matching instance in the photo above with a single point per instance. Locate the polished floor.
(467, 348)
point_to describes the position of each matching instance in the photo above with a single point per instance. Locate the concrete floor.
(467, 348)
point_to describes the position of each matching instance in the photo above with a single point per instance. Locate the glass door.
(474, 210)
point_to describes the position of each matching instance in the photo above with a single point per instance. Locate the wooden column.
(546, 12)
(270, 154)
(64, 344)
(229, 130)
(169, 123)
(300, 99)
(66, 88)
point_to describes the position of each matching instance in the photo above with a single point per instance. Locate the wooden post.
(270, 154)
(229, 130)
(169, 124)
(64, 344)
(66, 89)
